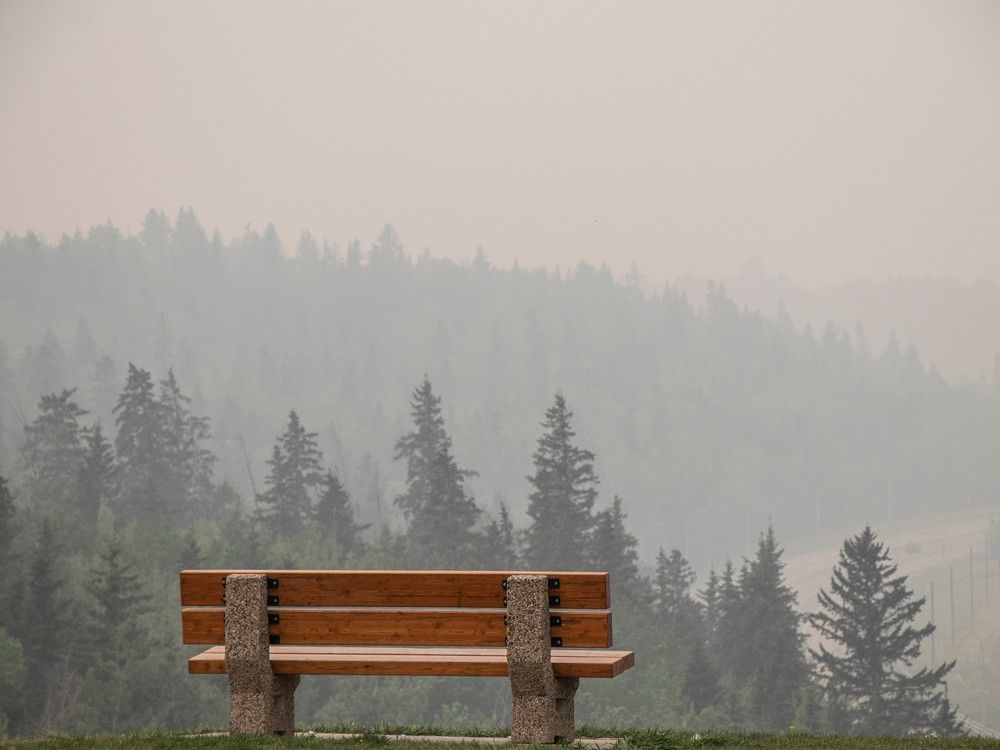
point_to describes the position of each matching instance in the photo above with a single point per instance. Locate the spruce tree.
(118, 602)
(44, 630)
(53, 450)
(562, 499)
(700, 684)
(500, 543)
(869, 614)
(139, 449)
(97, 475)
(188, 463)
(335, 516)
(615, 550)
(439, 512)
(711, 603)
(672, 600)
(292, 482)
(7, 560)
(765, 650)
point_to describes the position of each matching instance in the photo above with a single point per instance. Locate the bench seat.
(416, 661)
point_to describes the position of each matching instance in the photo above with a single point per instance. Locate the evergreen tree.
(439, 512)
(561, 503)
(711, 604)
(118, 602)
(191, 557)
(139, 448)
(335, 516)
(765, 653)
(7, 560)
(97, 475)
(501, 542)
(869, 614)
(700, 684)
(53, 450)
(615, 550)
(44, 630)
(672, 583)
(187, 463)
(294, 477)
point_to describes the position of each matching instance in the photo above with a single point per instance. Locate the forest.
(173, 400)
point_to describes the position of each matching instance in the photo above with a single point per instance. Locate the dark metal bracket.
(555, 621)
(554, 600)
(272, 601)
(273, 619)
(272, 583)
(553, 583)
(556, 641)
(274, 640)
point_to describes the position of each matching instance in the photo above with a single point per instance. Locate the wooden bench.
(267, 628)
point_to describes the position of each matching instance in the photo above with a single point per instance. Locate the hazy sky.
(832, 140)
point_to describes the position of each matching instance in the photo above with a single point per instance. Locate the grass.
(369, 739)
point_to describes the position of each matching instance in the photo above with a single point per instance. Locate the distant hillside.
(956, 326)
(707, 420)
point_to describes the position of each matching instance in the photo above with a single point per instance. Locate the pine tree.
(7, 560)
(439, 512)
(869, 614)
(53, 450)
(615, 550)
(44, 629)
(139, 449)
(188, 464)
(765, 654)
(562, 500)
(672, 600)
(118, 602)
(711, 603)
(500, 546)
(295, 475)
(97, 475)
(191, 557)
(335, 516)
(700, 684)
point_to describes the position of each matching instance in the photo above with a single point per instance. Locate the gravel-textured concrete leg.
(260, 702)
(283, 711)
(529, 660)
(565, 718)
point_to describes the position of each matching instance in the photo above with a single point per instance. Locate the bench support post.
(542, 708)
(260, 702)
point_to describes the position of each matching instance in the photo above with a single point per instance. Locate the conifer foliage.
(562, 499)
(439, 512)
(869, 614)
(295, 476)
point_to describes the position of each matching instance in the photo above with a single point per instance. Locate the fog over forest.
(707, 419)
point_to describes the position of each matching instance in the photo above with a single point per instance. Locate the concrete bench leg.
(542, 708)
(260, 702)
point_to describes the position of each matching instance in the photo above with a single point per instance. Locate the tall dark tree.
(187, 462)
(139, 448)
(293, 480)
(869, 613)
(615, 550)
(44, 628)
(118, 602)
(335, 516)
(700, 684)
(765, 651)
(53, 450)
(7, 561)
(97, 475)
(711, 603)
(439, 512)
(672, 599)
(500, 543)
(562, 499)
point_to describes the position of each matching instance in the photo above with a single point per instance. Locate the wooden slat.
(397, 627)
(417, 662)
(395, 588)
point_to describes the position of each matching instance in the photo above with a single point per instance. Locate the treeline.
(94, 531)
(712, 419)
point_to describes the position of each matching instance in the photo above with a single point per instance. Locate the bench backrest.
(397, 607)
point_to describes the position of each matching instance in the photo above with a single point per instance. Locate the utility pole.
(951, 599)
(972, 589)
(933, 649)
